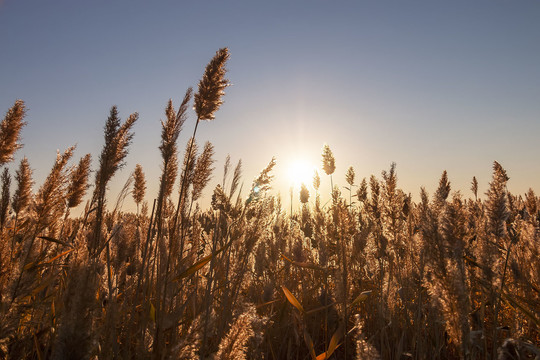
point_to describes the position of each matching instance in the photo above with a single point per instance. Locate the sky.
(429, 85)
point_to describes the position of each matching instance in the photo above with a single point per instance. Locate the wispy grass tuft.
(10, 131)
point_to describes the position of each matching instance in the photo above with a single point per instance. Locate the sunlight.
(300, 172)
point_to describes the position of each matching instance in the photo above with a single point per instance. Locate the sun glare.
(300, 172)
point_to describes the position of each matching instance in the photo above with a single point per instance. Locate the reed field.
(370, 274)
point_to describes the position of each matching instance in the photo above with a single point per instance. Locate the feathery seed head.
(226, 168)
(10, 131)
(188, 166)
(219, 199)
(262, 183)
(22, 195)
(361, 193)
(79, 182)
(474, 187)
(236, 177)
(304, 194)
(4, 201)
(203, 170)
(234, 345)
(374, 186)
(328, 160)
(212, 86)
(170, 130)
(443, 190)
(118, 137)
(316, 180)
(497, 202)
(139, 185)
(349, 177)
(170, 171)
(50, 199)
(499, 174)
(531, 202)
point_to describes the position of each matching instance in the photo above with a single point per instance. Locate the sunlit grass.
(369, 274)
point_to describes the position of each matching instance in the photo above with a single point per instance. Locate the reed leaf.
(333, 345)
(48, 238)
(292, 299)
(362, 297)
(199, 264)
(304, 265)
(309, 344)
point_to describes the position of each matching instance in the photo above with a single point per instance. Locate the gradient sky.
(430, 85)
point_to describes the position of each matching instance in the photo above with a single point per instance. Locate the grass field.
(370, 274)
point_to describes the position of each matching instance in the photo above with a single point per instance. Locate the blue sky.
(430, 85)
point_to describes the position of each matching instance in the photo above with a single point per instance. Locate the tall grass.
(371, 274)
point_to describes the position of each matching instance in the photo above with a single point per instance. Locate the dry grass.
(374, 275)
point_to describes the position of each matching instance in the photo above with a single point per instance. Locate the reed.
(10, 131)
(371, 274)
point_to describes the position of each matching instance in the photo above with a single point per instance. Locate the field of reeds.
(371, 274)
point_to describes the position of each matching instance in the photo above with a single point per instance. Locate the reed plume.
(23, 193)
(237, 175)
(78, 182)
(212, 86)
(364, 350)
(234, 345)
(496, 206)
(261, 184)
(531, 203)
(226, 168)
(118, 137)
(362, 191)
(474, 187)
(207, 101)
(329, 164)
(328, 160)
(4, 201)
(316, 180)
(443, 190)
(139, 185)
(219, 199)
(349, 177)
(10, 131)
(203, 170)
(170, 130)
(50, 199)
(304, 194)
(188, 169)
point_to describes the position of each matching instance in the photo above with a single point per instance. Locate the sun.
(300, 172)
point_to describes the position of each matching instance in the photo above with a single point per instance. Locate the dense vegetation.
(370, 274)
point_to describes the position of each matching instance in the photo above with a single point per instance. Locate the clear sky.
(430, 85)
